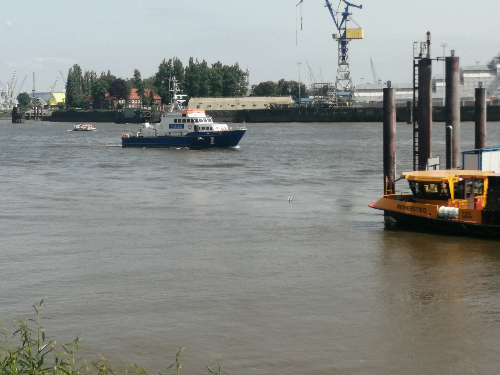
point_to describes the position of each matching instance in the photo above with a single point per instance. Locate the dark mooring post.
(389, 144)
(409, 112)
(452, 108)
(424, 112)
(449, 139)
(480, 111)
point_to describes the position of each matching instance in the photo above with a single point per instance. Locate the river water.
(140, 251)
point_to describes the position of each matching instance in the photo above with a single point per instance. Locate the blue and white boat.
(182, 127)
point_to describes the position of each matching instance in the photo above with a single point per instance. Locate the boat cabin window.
(183, 120)
(468, 188)
(478, 187)
(430, 190)
(459, 190)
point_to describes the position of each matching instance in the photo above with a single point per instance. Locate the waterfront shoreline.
(277, 115)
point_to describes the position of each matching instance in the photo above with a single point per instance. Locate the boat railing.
(239, 128)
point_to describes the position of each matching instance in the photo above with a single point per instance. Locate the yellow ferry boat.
(466, 201)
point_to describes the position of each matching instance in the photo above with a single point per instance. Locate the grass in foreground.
(29, 352)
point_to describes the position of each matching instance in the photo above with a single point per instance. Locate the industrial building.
(470, 77)
(249, 102)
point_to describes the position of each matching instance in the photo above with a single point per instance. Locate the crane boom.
(340, 23)
(375, 79)
(21, 86)
(312, 74)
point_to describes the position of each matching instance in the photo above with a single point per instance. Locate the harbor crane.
(311, 73)
(63, 78)
(375, 79)
(21, 86)
(53, 86)
(343, 82)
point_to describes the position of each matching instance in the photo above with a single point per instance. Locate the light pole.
(444, 64)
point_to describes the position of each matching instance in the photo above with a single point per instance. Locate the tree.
(167, 70)
(233, 81)
(99, 90)
(138, 84)
(192, 79)
(268, 88)
(75, 96)
(280, 88)
(119, 89)
(215, 79)
(24, 100)
(88, 80)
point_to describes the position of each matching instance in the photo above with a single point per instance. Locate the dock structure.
(18, 117)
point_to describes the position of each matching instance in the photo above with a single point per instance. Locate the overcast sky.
(263, 36)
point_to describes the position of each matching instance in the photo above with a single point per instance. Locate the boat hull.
(229, 138)
(439, 225)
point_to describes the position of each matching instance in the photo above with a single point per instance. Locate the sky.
(267, 37)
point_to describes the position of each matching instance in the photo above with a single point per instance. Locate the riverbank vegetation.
(196, 79)
(30, 351)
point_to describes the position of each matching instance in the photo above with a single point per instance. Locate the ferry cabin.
(469, 196)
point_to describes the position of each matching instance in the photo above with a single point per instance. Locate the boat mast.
(177, 99)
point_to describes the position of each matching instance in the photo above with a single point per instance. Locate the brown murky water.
(140, 251)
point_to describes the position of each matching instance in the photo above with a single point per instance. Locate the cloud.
(9, 23)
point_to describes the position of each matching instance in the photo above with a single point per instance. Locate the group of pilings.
(19, 117)
(424, 120)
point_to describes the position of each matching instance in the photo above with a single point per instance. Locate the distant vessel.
(463, 201)
(84, 128)
(181, 127)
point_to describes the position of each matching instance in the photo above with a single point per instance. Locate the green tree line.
(197, 79)
(280, 88)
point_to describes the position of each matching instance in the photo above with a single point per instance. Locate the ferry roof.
(441, 174)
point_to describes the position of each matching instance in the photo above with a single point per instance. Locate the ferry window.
(478, 187)
(183, 120)
(208, 106)
(430, 190)
(469, 189)
(175, 121)
(459, 190)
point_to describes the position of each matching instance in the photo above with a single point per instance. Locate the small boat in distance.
(83, 128)
(182, 127)
(460, 201)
